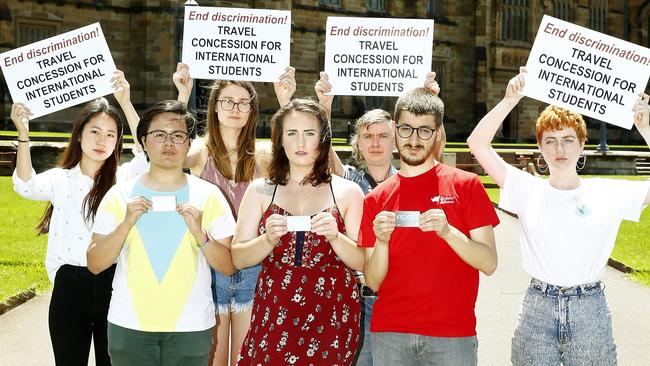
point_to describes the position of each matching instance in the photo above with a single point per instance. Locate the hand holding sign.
(431, 84)
(20, 117)
(122, 88)
(286, 86)
(516, 86)
(642, 113)
(183, 81)
(323, 90)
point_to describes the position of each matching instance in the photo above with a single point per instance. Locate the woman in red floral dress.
(306, 306)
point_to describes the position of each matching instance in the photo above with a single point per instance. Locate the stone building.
(478, 46)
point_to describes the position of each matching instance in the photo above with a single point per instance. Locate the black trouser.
(78, 311)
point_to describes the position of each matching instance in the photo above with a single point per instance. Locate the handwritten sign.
(236, 44)
(586, 71)
(377, 56)
(61, 71)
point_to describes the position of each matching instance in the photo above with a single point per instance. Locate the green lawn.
(22, 253)
(632, 243)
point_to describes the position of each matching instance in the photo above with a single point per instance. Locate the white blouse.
(66, 189)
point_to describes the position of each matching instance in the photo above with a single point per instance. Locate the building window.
(562, 10)
(514, 20)
(374, 102)
(375, 5)
(330, 2)
(435, 8)
(598, 15)
(30, 31)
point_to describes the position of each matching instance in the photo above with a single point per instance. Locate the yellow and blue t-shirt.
(162, 280)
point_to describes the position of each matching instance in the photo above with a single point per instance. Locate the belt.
(366, 291)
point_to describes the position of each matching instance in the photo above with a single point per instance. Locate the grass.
(22, 253)
(632, 244)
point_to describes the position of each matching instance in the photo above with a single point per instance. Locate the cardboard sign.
(377, 56)
(236, 44)
(61, 71)
(586, 71)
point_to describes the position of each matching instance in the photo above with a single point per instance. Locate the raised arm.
(183, 82)
(642, 123)
(285, 88)
(248, 248)
(481, 138)
(20, 117)
(123, 96)
(322, 87)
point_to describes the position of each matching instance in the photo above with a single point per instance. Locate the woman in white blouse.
(87, 169)
(568, 230)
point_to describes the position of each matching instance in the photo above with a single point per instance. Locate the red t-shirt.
(429, 289)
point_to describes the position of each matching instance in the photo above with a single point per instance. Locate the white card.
(298, 223)
(407, 218)
(163, 203)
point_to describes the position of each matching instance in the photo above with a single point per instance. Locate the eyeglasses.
(229, 105)
(406, 131)
(160, 136)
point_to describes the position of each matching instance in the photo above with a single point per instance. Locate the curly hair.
(554, 118)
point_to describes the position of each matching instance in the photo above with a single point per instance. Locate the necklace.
(580, 208)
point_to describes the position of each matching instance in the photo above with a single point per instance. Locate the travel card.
(298, 223)
(163, 203)
(407, 218)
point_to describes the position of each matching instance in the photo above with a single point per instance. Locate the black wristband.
(19, 140)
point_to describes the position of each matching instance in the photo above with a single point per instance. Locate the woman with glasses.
(301, 225)
(86, 170)
(229, 157)
(568, 230)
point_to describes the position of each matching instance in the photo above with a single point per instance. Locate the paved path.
(24, 338)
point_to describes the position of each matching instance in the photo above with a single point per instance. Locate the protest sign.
(377, 56)
(586, 71)
(236, 44)
(61, 71)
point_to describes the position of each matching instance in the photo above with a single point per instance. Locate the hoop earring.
(542, 168)
(581, 164)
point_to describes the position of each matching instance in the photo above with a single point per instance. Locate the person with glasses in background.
(165, 229)
(568, 231)
(429, 231)
(230, 157)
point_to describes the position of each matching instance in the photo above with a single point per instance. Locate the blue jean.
(405, 349)
(572, 326)
(364, 354)
(234, 293)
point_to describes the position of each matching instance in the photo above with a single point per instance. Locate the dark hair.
(105, 177)
(420, 101)
(245, 142)
(165, 106)
(279, 166)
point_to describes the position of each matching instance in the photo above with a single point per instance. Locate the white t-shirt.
(567, 235)
(162, 280)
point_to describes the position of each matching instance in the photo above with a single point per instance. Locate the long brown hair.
(105, 177)
(245, 170)
(279, 166)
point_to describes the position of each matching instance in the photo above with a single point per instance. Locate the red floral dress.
(306, 306)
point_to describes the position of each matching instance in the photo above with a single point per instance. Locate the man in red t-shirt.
(429, 230)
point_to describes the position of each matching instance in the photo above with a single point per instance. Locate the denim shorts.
(568, 325)
(234, 293)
